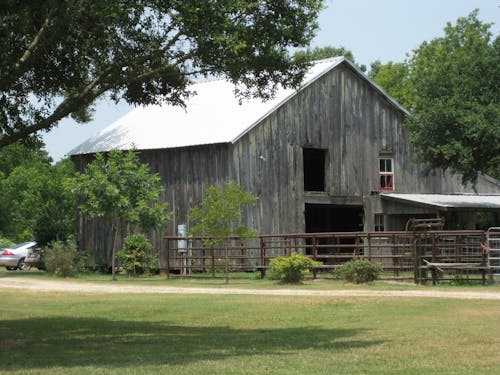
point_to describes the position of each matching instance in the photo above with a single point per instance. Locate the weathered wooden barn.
(331, 156)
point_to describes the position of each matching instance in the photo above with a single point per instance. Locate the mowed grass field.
(79, 333)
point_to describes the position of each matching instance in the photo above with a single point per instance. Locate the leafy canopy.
(17, 154)
(218, 215)
(35, 203)
(319, 53)
(118, 187)
(393, 77)
(455, 117)
(58, 57)
(450, 87)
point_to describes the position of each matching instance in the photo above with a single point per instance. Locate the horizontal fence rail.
(421, 256)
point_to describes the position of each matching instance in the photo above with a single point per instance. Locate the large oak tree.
(455, 118)
(59, 56)
(394, 78)
(450, 85)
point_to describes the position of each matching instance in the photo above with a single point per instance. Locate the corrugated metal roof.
(448, 201)
(213, 115)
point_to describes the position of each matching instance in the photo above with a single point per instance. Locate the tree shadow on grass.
(70, 342)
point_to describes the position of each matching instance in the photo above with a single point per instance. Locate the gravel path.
(88, 287)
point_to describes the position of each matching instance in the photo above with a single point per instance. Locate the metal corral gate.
(493, 250)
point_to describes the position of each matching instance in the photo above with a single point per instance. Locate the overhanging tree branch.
(36, 40)
(140, 44)
(65, 108)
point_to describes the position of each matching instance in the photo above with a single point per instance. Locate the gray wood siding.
(342, 113)
(185, 173)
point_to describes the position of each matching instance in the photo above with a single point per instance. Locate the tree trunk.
(226, 248)
(116, 227)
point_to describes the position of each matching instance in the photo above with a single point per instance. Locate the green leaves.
(58, 57)
(450, 86)
(134, 256)
(118, 187)
(455, 118)
(360, 271)
(291, 269)
(325, 52)
(34, 201)
(219, 214)
(394, 79)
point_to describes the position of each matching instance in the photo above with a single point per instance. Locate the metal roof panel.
(212, 115)
(448, 201)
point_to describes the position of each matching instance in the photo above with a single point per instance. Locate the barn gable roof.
(213, 115)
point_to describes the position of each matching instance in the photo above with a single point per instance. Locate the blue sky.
(372, 29)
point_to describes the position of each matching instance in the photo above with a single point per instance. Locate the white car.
(13, 257)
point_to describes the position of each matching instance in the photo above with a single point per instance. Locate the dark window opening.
(379, 223)
(386, 182)
(314, 169)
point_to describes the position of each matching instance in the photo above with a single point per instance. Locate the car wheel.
(10, 268)
(23, 266)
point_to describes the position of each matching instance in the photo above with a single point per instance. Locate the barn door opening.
(333, 218)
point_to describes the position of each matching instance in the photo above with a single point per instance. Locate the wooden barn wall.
(343, 114)
(185, 173)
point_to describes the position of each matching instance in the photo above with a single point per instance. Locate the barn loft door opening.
(333, 218)
(314, 169)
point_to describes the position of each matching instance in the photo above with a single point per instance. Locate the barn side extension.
(423, 257)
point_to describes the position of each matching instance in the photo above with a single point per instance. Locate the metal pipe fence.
(420, 256)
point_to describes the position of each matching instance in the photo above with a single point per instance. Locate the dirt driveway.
(88, 287)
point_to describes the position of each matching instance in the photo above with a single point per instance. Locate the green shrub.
(460, 280)
(62, 259)
(134, 256)
(5, 242)
(359, 271)
(291, 269)
(102, 267)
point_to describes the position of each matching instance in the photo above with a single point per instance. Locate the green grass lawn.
(68, 333)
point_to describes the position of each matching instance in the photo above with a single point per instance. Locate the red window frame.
(386, 174)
